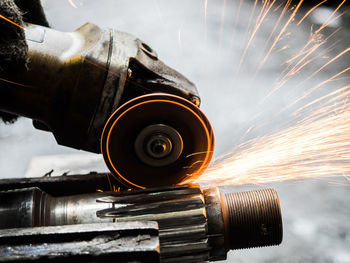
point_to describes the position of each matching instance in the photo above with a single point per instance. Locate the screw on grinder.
(157, 140)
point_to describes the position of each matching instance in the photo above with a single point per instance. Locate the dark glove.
(13, 47)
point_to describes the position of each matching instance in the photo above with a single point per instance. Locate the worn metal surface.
(195, 225)
(76, 80)
(252, 219)
(180, 213)
(63, 185)
(105, 242)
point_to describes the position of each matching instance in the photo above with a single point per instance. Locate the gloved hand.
(13, 47)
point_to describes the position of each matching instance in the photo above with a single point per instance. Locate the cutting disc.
(157, 140)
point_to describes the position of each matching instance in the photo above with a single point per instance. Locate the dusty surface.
(208, 50)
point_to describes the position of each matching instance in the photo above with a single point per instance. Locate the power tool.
(105, 91)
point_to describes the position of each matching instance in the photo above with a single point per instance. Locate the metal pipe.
(194, 224)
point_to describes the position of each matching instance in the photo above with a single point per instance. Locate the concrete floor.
(207, 49)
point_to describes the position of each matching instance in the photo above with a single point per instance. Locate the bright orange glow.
(209, 138)
(317, 146)
(10, 21)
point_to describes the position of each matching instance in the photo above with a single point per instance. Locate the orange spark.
(237, 15)
(277, 39)
(285, 9)
(317, 146)
(205, 9)
(10, 21)
(15, 83)
(301, 64)
(310, 91)
(222, 22)
(260, 21)
(341, 54)
(337, 94)
(310, 11)
(333, 78)
(72, 3)
(319, 41)
(315, 36)
(205, 18)
(252, 15)
(330, 17)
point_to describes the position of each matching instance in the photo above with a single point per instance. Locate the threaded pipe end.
(252, 219)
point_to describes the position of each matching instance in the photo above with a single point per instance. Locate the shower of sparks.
(284, 11)
(277, 39)
(299, 65)
(317, 146)
(267, 6)
(11, 22)
(310, 91)
(302, 58)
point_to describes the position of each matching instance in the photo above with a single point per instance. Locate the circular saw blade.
(129, 120)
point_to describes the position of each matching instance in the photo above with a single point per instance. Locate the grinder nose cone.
(252, 219)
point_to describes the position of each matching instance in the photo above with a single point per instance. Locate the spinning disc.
(157, 140)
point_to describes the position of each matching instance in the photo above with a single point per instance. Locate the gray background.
(207, 50)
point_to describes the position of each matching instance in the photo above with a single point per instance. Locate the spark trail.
(11, 22)
(317, 146)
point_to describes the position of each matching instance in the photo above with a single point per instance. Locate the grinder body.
(75, 80)
(102, 90)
